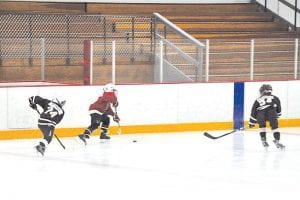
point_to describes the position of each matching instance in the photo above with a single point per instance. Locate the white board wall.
(287, 91)
(145, 104)
(139, 104)
(143, 1)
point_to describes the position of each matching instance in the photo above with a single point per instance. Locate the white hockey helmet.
(109, 88)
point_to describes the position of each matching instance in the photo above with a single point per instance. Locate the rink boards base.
(132, 129)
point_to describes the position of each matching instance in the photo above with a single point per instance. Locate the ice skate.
(278, 144)
(83, 137)
(265, 144)
(40, 149)
(103, 136)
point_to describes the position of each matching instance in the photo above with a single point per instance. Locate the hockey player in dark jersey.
(50, 116)
(266, 108)
(100, 111)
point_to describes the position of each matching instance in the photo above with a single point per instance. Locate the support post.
(161, 59)
(42, 59)
(296, 59)
(251, 59)
(207, 61)
(88, 62)
(113, 62)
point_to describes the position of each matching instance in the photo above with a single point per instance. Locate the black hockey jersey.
(264, 103)
(52, 112)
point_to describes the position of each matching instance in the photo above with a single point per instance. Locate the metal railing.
(287, 10)
(178, 56)
(64, 34)
(46, 40)
(255, 59)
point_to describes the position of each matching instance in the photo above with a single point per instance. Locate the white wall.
(287, 91)
(139, 104)
(282, 10)
(3, 109)
(143, 1)
(145, 104)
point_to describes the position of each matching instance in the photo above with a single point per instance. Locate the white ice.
(168, 166)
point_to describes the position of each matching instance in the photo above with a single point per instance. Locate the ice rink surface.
(168, 166)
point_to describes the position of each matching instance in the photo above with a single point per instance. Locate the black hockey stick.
(63, 146)
(217, 137)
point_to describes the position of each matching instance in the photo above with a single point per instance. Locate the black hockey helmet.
(265, 89)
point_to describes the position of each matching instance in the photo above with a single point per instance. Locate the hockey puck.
(134, 141)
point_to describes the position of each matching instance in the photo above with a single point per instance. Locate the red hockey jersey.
(104, 103)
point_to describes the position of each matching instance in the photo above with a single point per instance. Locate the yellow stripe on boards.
(289, 123)
(157, 128)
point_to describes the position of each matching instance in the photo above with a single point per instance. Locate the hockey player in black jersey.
(266, 108)
(50, 116)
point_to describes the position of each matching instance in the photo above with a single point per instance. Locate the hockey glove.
(33, 106)
(116, 118)
(31, 103)
(116, 104)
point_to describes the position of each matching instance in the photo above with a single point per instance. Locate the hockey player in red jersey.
(266, 108)
(50, 116)
(100, 111)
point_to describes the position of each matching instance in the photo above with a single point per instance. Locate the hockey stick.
(217, 137)
(119, 126)
(63, 146)
(119, 129)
